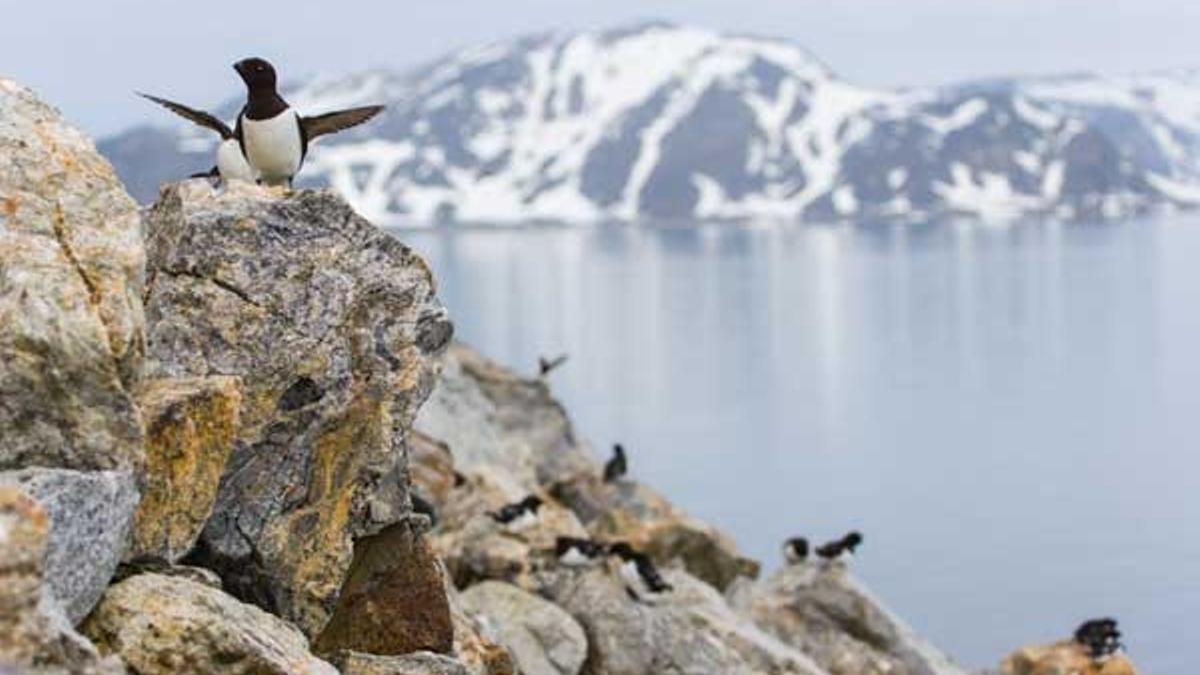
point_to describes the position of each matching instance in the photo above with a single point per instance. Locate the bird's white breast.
(573, 558)
(629, 573)
(232, 163)
(522, 522)
(273, 146)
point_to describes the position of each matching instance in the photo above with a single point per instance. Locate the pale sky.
(88, 56)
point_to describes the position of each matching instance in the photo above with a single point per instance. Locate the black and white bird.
(840, 550)
(424, 507)
(1101, 638)
(274, 137)
(795, 550)
(231, 163)
(617, 466)
(642, 581)
(520, 515)
(574, 552)
(546, 366)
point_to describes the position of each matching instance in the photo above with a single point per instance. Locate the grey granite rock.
(542, 637)
(334, 329)
(417, 663)
(91, 514)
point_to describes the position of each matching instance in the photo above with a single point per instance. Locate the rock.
(167, 625)
(190, 427)
(828, 615)
(632, 512)
(91, 514)
(393, 600)
(689, 631)
(419, 663)
(1062, 658)
(71, 275)
(475, 644)
(431, 469)
(198, 575)
(34, 636)
(543, 639)
(334, 330)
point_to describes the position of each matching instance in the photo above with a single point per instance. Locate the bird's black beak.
(240, 67)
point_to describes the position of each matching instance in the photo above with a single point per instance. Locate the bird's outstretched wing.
(199, 117)
(319, 125)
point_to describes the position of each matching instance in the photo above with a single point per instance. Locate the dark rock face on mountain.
(660, 122)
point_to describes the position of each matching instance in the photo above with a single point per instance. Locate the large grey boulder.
(91, 514)
(689, 631)
(417, 663)
(334, 329)
(163, 625)
(71, 276)
(543, 638)
(829, 615)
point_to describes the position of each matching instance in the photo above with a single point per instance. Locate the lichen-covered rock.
(689, 631)
(34, 636)
(418, 663)
(334, 330)
(543, 639)
(91, 514)
(190, 426)
(1063, 658)
(828, 615)
(393, 600)
(162, 625)
(71, 275)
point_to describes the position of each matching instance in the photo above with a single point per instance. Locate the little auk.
(520, 515)
(840, 550)
(638, 573)
(617, 466)
(795, 550)
(546, 366)
(231, 163)
(274, 137)
(1101, 638)
(424, 507)
(573, 552)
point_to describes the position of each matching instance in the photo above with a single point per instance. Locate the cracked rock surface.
(334, 329)
(71, 274)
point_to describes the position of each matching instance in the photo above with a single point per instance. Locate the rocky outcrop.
(162, 625)
(91, 513)
(418, 663)
(332, 327)
(34, 636)
(393, 600)
(828, 615)
(1063, 658)
(543, 639)
(71, 272)
(190, 426)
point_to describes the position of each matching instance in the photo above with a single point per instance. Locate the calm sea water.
(1010, 414)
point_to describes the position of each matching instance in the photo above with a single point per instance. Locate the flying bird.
(273, 136)
(617, 466)
(546, 366)
(231, 163)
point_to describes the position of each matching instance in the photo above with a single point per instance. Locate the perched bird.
(546, 366)
(795, 550)
(231, 163)
(638, 573)
(840, 550)
(424, 507)
(1101, 638)
(574, 552)
(617, 466)
(275, 137)
(519, 515)
(459, 479)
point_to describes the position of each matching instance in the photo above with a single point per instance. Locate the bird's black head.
(532, 502)
(622, 550)
(256, 73)
(619, 450)
(852, 540)
(798, 544)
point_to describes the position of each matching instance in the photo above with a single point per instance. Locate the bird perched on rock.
(617, 466)
(274, 137)
(638, 573)
(231, 163)
(574, 552)
(520, 515)
(795, 550)
(1100, 637)
(840, 550)
(424, 507)
(546, 366)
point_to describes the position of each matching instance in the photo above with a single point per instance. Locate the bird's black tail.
(212, 173)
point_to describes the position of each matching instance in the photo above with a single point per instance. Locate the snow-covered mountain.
(663, 122)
